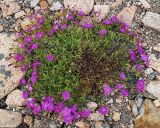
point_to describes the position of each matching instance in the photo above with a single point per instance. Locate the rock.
(82, 124)
(138, 101)
(145, 4)
(127, 15)
(1, 56)
(134, 108)
(19, 14)
(98, 124)
(52, 125)
(83, 5)
(158, 78)
(95, 117)
(105, 125)
(28, 120)
(101, 11)
(151, 116)
(151, 20)
(2, 104)
(92, 105)
(116, 116)
(125, 118)
(50, 2)
(10, 75)
(1, 28)
(10, 119)
(117, 3)
(4, 9)
(151, 76)
(56, 6)
(34, 3)
(110, 101)
(154, 88)
(15, 99)
(157, 47)
(155, 65)
(157, 102)
(43, 4)
(25, 23)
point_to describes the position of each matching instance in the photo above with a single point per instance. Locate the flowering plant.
(68, 62)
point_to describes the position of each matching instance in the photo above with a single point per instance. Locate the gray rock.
(52, 124)
(34, 3)
(152, 20)
(2, 69)
(10, 119)
(95, 117)
(138, 101)
(1, 56)
(151, 76)
(125, 118)
(8, 74)
(105, 125)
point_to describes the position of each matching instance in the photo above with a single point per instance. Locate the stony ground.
(141, 111)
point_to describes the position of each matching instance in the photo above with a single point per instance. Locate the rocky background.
(140, 111)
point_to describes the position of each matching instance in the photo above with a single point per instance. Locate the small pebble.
(1, 56)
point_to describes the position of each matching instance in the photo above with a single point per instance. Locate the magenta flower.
(139, 67)
(124, 92)
(36, 64)
(28, 39)
(85, 113)
(59, 107)
(63, 26)
(122, 30)
(87, 25)
(104, 110)
(47, 104)
(40, 20)
(70, 17)
(102, 32)
(19, 57)
(50, 57)
(24, 68)
(66, 111)
(23, 81)
(25, 95)
(107, 22)
(37, 109)
(23, 45)
(140, 48)
(81, 13)
(140, 85)
(107, 89)
(34, 46)
(114, 19)
(122, 76)
(145, 58)
(73, 109)
(30, 88)
(39, 35)
(66, 95)
(119, 86)
(133, 56)
(30, 102)
(68, 119)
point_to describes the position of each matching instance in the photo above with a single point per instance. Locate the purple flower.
(133, 56)
(23, 45)
(25, 95)
(145, 58)
(139, 67)
(30, 88)
(107, 89)
(34, 46)
(50, 57)
(24, 68)
(140, 85)
(70, 17)
(63, 26)
(39, 35)
(81, 13)
(87, 25)
(37, 109)
(140, 48)
(33, 79)
(124, 92)
(66, 95)
(19, 57)
(68, 119)
(66, 111)
(114, 19)
(102, 32)
(104, 110)
(122, 76)
(36, 64)
(119, 86)
(40, 20)
(47, 104)
(59, 107)
(23, 81)
(30, 102)
(122, 29)
(85, 113)
(73, 108)
(28, 39)
(107, 22)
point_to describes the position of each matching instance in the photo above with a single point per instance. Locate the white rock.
(7, 46)
(116, 116)
(117, 3)
(127, 15)
(19, 14)
(155, 65)
(154, 88)
(28, 120)
(152, 20)
(10, 119)
(95, 117)
(85, 5)
(110, 101)
(25, 23)
(34, 3)
(56, 6)
(15, 99)
(50, 2)
(92, 105)
(82, 124)
(13, 8)
(148, 71)
(1, 28)
(157, 102)
(157, 47)
(101, 10)
(145, 4)
(158, 78)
